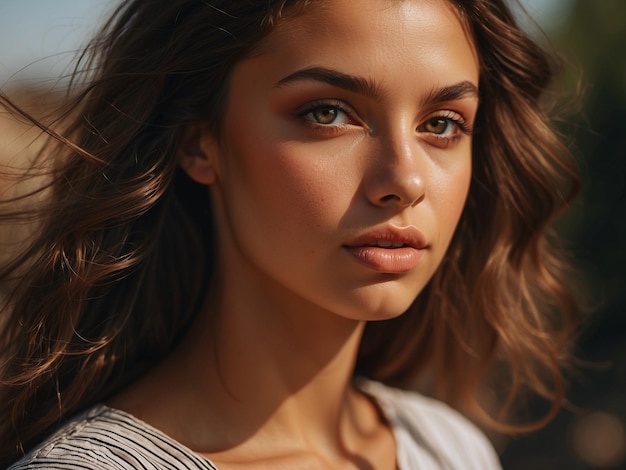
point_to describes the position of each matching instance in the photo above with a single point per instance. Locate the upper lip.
(396, 236)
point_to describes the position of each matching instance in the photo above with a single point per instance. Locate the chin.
(387, 314)
(389, 301)
(380, 309)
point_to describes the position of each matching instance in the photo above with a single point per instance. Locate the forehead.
(374, 35)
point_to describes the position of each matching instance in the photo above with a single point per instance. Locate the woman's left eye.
(441, 126)
(444, 129)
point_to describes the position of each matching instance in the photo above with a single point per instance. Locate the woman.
(263, 212)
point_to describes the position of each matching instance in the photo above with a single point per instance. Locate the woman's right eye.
(326, 114)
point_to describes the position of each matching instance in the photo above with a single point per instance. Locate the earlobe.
(198, 155)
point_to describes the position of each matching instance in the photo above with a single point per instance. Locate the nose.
(397, 174)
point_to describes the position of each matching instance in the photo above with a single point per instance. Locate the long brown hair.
(122, 259)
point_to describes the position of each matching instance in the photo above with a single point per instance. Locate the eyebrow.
(335, 78)
(461, 90)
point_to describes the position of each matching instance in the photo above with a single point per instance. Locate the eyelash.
(451, 118)
(454, 118)
(326, 104)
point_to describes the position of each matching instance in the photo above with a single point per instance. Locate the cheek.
(275, 184)
(284, 178)
(450, 196)
(273, 171)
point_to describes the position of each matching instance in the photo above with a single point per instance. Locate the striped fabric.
(429, 435)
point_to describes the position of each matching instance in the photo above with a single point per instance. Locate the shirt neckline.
(375, 390)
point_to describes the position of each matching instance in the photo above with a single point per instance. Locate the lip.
(392, 250)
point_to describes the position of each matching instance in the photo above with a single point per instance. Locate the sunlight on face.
(348, 155)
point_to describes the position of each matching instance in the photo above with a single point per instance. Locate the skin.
(309, 162)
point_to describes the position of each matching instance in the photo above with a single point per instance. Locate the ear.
(198, 154)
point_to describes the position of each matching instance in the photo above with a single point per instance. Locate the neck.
(281, 364)
(253, 367)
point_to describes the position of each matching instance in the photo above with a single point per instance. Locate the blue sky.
(38, 37)
(41, 35)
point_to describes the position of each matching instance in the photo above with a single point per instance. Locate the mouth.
(387, 244)
(391, 237)
(390, 250)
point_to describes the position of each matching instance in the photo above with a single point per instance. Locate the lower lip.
(387, 260)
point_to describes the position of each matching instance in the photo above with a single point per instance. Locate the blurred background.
(38, 40)
(591, 36)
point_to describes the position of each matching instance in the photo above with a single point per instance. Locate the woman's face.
(347, 155)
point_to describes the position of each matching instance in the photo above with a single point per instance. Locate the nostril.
(397, 199)
(394, 188)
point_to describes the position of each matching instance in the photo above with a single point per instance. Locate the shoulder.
(104, 438)
(428, 430)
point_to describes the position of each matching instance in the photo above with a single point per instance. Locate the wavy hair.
(122, 256)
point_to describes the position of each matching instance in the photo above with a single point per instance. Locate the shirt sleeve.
(430, 434)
